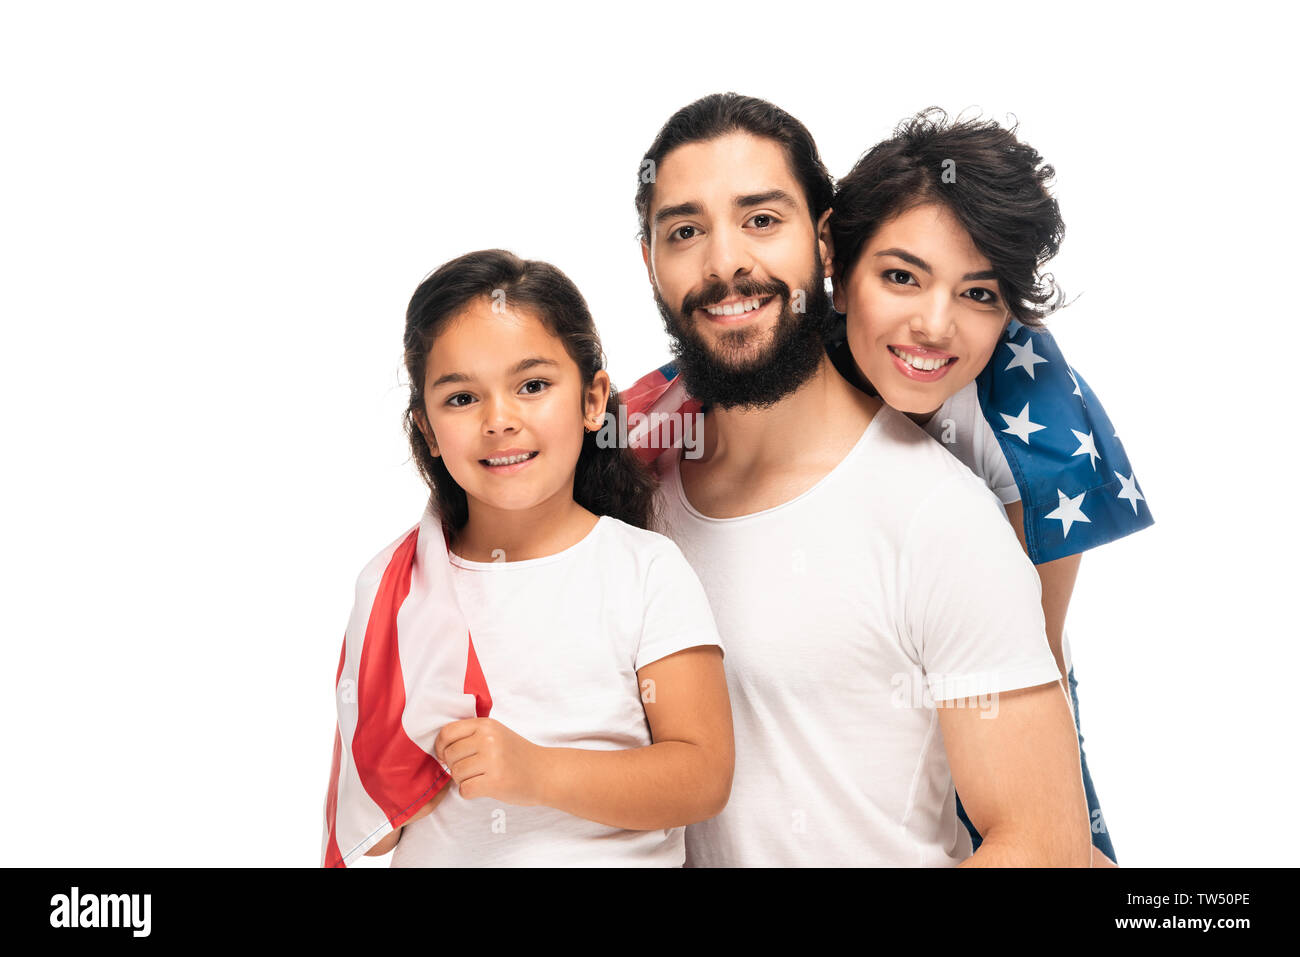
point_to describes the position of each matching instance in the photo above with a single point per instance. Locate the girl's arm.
(1057, 580)
(682, 778)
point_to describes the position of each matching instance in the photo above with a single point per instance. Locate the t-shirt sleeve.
(993, 461)
(971, 599)
(677, 612)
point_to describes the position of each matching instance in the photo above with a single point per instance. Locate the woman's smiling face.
(924, 309)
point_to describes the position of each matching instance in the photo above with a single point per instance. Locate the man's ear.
(596, 401)
(826, 245)
(645, 258)
(423, 424)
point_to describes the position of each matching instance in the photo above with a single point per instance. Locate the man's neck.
(757, 459)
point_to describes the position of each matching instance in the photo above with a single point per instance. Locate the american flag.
(407, 668)
(1076, 485)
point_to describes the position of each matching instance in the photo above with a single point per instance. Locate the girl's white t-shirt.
(560, 640)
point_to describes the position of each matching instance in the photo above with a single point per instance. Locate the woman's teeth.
(924, 365)
(740, 308)
(511, 460)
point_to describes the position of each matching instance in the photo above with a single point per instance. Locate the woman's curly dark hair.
(996, 187)
(607, 481)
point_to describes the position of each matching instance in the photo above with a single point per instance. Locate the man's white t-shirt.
(894, 582)
(960, 426)
(560, 640)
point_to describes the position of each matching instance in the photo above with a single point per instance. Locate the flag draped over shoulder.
(1076, 485)
(407, 669)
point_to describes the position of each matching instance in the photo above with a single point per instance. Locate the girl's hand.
(487, 759)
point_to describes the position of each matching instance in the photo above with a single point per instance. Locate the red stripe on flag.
(476, 684)
(397, 773)
(332, 856)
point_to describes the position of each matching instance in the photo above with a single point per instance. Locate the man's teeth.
(916, 362)
(740, 308)
(511, 460)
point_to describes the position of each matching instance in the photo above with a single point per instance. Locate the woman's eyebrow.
(518, 367)
(920, 263)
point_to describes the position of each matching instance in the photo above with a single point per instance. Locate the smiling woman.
(940, 235)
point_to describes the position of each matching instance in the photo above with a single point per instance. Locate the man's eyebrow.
(920, 263)
(740, 202)
(681, 209)
(763, 199)
(521, 366)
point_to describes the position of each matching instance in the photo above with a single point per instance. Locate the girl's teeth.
(512, 460)
(916, 362)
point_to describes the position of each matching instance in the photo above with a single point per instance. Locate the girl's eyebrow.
(920, 263)
(518, 367)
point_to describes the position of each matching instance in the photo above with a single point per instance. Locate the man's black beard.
(788, 362)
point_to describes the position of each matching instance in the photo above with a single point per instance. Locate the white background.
(214, 215)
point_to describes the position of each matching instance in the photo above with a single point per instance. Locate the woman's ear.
(596, 401)
(839, 295)
(422, 423)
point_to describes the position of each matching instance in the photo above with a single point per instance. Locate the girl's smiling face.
(505, 407)
(924, 309)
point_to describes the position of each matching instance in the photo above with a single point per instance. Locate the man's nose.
(728, 256)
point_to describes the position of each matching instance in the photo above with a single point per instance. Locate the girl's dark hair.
(721, 113)
(607, 481)
(996, 187)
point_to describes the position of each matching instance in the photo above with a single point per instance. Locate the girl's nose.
(500, 415)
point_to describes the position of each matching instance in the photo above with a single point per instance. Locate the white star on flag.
(1068, 512)
(1130, 491)
(1070, 373)
(1086, 447)
(1020, 426)
(1025, 357)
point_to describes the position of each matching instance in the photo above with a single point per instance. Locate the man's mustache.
(718, 292)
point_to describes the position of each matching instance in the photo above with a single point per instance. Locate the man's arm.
(1016, 767)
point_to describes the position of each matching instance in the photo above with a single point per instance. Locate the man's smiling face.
(738, 269)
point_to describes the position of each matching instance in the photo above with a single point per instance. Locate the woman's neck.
(514, 535)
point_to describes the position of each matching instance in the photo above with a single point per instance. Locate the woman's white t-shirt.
(560, 640)
(960, 426)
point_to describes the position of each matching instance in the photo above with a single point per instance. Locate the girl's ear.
(596, 401)
(423, 424)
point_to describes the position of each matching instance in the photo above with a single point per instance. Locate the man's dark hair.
(721, 113)
(996, 187)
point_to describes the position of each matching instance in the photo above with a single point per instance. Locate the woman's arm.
(1057, 580)
(682, 778)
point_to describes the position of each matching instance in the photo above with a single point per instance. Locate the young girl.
(610, 727)
(939, 234)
